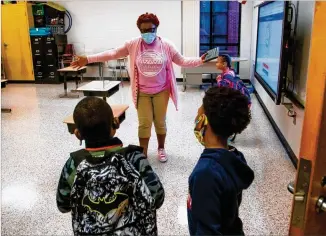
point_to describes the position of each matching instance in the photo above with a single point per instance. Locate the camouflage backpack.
(110, 198)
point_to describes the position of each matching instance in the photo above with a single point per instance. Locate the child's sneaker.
(161, 155)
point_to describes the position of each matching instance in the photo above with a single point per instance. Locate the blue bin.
(40, 31)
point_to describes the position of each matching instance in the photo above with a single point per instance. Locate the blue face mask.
(148, 37)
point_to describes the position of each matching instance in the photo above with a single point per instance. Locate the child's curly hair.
(227, 111)
(148, 17)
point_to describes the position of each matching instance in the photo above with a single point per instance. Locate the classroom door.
(15, 42)
(309, 201)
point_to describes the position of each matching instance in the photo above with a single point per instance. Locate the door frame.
(312, 160)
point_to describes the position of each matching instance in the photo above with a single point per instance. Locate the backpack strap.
(83, 154)
(131, 148)
(79, 156)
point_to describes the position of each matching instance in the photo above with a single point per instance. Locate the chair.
(111, 65)
(118, 65)
(122, 65)
(67, 57)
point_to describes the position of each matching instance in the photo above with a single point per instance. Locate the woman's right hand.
(80, 61)
(203, 57)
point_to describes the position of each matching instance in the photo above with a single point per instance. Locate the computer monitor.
(271, 48)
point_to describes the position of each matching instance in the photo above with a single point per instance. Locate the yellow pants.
(152, 107)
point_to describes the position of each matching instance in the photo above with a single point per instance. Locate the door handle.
(291, 187)
(321, 205)
(321, 202)
(5, 45)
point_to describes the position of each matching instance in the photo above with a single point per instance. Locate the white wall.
(101, 25)
(290, 128)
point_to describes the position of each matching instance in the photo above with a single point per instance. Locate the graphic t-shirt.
(151, 65)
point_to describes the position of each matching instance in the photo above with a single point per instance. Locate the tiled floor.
(35, 144)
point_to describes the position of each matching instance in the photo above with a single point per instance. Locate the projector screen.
(269, 44)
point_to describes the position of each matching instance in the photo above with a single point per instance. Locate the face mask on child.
(200, 128)
(148, 37)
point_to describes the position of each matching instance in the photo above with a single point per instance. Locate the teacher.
(152, 77)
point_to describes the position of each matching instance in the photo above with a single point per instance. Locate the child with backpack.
(110, 190)
(228, 77)
(221, 173)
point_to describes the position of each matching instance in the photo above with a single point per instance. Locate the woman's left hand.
(203, 57)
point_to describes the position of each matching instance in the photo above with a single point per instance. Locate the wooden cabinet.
(16, 20)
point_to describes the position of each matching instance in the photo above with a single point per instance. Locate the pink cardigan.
(131, 48)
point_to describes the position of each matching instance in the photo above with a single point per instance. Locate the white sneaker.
(161, 155)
